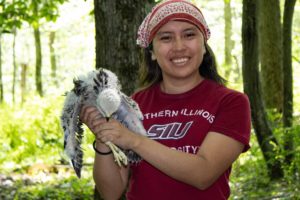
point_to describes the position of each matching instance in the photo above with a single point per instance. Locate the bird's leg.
(119, 155)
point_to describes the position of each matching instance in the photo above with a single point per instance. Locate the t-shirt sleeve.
(233, 119)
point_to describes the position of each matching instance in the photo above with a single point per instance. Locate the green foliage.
(32, 158)
(14, 13)
(11, 15)
(249, 179)
(39, 9)
(32, 132)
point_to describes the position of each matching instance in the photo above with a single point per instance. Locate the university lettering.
(169, 131)
(183, 112)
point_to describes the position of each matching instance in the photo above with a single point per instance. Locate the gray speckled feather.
(85, 92)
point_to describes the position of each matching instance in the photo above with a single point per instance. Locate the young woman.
(196, 126)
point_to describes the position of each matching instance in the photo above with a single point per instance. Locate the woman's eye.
(189, 35)
(165, 38)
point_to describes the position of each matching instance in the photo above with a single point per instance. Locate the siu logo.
(169, 131)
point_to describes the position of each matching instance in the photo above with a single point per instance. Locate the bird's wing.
(73, 131)
(130, 115)
(133, 105)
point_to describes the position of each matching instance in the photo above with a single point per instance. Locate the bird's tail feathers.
(133, 157)
(73, 131)
(74, 151)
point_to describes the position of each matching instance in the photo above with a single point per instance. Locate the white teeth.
(180, 60)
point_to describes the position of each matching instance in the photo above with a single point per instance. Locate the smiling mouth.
(180, 61)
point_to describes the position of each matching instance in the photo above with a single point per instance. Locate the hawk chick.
(99, 88)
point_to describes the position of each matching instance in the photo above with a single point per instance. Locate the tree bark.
(23, 82)
(228, 41)
(270, 40)
(38, 61)
(252, 88)
(288, 77)
(52, 54)
(38, 53)
(14, 65)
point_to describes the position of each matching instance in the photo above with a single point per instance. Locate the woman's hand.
(111, 130)
(88, 115)
(115, 132)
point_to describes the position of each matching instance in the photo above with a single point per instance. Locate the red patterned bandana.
(170, 10)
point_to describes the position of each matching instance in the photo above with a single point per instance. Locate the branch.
(296, 59)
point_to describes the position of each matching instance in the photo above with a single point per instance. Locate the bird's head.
(107, 79)
(108, 101)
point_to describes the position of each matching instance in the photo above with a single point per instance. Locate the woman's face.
(178, 48)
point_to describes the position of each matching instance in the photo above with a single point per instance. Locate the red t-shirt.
(181, 122)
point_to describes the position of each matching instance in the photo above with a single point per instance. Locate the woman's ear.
(153, 57)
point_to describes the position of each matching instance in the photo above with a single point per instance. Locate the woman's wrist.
(137, 142)
(101, 148)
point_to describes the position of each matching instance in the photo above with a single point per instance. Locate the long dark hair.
(150, 72)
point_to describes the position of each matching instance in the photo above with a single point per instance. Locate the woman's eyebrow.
(163, 32)
(191, 29)
(159, 33)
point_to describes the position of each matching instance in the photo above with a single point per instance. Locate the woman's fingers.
(86, 112)
(91, 117)
(107, 131)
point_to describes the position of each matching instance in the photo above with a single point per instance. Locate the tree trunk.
(116, 27)
(23, 82)
(14, 65)
(252, 88)
(38, 53)
(228, 41)
(271, 53)
(288, 77)
(38, 61)
(1, 82)
(52, 55)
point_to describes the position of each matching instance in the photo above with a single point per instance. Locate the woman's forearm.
(178, 165)
(200, 170)
(110, 179)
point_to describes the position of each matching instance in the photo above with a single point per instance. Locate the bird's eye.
(96, 89)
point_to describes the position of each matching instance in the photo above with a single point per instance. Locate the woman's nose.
(178, 44)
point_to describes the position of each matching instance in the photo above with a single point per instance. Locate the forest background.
(34, 81)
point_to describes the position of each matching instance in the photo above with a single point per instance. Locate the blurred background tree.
(38, 10)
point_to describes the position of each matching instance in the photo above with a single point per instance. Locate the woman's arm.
(111, 180)
(215, 155)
